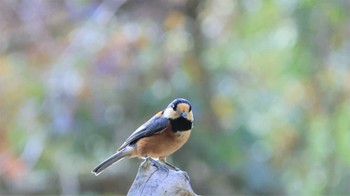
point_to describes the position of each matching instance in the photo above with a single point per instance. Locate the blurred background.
(268, 80)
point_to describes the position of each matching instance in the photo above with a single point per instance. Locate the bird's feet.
(175, 168)
(186, 175)
(164, 166)
(158, 165)
(170, 165)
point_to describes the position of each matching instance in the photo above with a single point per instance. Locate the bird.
(159, 137)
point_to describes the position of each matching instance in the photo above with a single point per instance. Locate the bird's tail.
(106, 163)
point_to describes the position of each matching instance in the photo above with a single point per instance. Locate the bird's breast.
(162, 144)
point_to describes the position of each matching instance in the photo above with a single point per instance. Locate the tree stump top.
(153, 181)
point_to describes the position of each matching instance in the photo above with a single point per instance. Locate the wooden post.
(153, 181)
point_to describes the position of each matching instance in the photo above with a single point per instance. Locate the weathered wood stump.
(150, 180)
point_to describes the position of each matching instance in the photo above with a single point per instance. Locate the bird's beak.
(184, 115)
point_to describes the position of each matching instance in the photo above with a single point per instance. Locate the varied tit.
(159, 137)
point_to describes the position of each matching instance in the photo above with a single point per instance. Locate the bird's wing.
(153, 126)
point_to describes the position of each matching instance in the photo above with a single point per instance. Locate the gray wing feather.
(155, 125)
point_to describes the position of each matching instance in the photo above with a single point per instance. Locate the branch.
(153, 181)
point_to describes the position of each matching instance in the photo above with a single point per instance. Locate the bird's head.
(179, 108)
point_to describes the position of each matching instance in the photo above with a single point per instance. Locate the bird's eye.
(173, 106)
